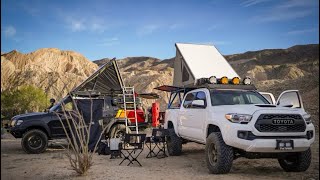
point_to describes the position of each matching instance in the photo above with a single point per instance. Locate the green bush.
(24, 99)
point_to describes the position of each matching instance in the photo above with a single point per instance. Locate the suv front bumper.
(16, 131)
(266, 142)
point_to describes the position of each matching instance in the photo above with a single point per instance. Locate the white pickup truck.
(237, 121)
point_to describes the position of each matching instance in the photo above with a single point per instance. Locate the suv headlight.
(238, 118)
(13, 123)
(16, 122)
(307, 118)
(19, 122)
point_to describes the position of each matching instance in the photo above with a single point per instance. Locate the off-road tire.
(219, 156)
(36, 138)
(174, 143)
(297, 162)
(118, 128)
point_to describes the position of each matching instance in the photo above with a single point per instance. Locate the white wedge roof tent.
(195, 61)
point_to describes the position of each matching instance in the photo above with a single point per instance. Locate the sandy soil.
(53, 164)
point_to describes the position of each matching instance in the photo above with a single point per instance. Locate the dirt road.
(53, 164)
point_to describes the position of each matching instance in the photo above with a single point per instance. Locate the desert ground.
(53, 164)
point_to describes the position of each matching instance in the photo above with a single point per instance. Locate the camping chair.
(133, 144)
(158, 138)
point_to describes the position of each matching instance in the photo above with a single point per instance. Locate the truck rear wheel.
(296, 162)
(34, 141)
(174, 143)
(118, 131)
(219, 156)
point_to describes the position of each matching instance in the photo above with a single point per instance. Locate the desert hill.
(51, 69)
(273, 70)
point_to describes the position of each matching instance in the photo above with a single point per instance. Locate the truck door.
(269, 97)
(55, 125)
(290, 98)
(192, 115)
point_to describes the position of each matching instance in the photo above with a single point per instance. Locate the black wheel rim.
(212, 154)
(35, 142)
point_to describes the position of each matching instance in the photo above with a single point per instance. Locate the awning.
(149, 95)
(105, 81)
(168, 88)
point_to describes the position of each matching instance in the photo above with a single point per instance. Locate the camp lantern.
(247, 80)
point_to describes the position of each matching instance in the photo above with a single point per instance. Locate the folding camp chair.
(133, 144)
(158, 138)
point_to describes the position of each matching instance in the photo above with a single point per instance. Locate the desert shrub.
(25, 98)
(78, 152)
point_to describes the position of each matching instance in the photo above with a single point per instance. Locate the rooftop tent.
(104, 81)
(195, 61)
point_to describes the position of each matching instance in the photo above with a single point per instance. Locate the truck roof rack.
(209, 86)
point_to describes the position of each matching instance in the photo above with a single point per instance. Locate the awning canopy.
(149, 96)
(168, 88)
(106, 80)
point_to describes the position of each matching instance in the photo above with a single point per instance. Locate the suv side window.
(188, 100)
(201, 96)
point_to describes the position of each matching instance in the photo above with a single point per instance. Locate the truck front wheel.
(296, 162)
(174, 143)
(34, 141)
(219, 156)
(118, 131)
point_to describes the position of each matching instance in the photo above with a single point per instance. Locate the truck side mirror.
(198, 103)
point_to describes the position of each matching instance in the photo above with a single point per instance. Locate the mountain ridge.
(57, 71)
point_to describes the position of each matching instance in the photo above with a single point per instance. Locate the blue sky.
(122, 28)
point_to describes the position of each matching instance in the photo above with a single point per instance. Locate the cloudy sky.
(122, 28)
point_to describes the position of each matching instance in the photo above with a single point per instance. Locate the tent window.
(185, 74)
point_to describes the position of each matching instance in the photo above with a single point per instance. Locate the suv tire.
(34, 141)
(219, 156)
(118, 131)
(298, 162)
(174, 143)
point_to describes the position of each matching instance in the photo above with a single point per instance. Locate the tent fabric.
(86, 106)
(106, 80)
(195, 61)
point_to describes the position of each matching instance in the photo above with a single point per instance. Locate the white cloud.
(297, 3)
(213, 27)
(109, 41)
(147, 29)
(287, 10)
(175, 26)
(77, 25)
(282, 16)
(80, 23)
(302, 31)
(249, 3)
(9, 31)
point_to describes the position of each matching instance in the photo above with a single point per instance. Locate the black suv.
(37, 128)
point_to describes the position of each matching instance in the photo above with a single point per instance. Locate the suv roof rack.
(168, 88)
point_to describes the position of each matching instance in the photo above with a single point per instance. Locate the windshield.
(57, 107)
(232, 97)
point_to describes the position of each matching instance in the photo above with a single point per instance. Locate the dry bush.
(78, 153)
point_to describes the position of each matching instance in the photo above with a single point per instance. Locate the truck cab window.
(188, 100)
(201, 96)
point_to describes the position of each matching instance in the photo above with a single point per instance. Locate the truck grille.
(280, 123)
